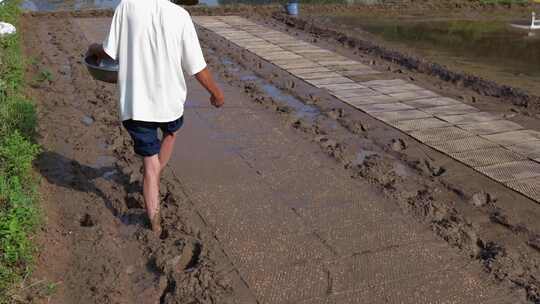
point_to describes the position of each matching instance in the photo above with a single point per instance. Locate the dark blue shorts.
(145, 134)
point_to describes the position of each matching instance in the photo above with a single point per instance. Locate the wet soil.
(489, 222)
(89, 249)
(95, 245)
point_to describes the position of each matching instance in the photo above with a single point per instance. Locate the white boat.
(533, 25)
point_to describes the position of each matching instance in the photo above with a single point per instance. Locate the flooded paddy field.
(485, 46)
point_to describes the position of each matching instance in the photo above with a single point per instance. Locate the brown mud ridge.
(95, 246)
(492, 224)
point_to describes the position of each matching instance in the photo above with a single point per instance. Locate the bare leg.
(152, 170)
(167, 145)
(153, 166)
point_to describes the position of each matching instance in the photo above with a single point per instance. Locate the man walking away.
(154, 40)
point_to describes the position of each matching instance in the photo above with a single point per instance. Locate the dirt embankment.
(94, 245)
(493, 225)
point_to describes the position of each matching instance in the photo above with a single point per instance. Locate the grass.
(18, 187)
(505, 2)
(44, 76)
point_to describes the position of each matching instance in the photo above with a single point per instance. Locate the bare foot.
(156, 225)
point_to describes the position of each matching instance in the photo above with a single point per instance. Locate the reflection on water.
(491, 49)
(55, 5)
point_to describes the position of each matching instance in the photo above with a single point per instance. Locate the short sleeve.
(192, 56)
(111, 44)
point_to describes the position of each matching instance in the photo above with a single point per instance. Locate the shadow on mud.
(69, 173)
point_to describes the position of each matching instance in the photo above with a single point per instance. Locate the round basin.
(105, 70)
(186, 2)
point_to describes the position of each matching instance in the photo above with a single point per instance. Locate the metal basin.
(106, 70)
(186, 2)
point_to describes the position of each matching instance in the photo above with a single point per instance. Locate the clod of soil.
(398, 145)
(481, 199)
(534, 242)
(87, 221)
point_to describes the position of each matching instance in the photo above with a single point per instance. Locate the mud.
(107, 261)
(95, 245)
(491, 224)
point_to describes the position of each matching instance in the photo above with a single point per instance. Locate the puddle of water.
(231, 66)
(109, 175)
(59, 5)
(300, 109)
(491, 49)
(87, 120)
(363, 155)
(249, 78)
(402, 170)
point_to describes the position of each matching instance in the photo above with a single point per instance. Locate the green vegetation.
(18, 196)
(44, 76)
(506, 2)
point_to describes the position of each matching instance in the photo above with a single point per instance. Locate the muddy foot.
(156, 226)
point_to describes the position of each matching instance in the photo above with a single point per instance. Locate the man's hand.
(205, 78)
(217, 100)
(96, 49)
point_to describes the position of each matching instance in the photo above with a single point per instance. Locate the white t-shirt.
(154, 40)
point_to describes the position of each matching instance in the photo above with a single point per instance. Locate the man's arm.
(205, 79)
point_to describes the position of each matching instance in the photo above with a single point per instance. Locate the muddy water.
(62, 5)
(55, 5)
(300, 109)
(487, 48)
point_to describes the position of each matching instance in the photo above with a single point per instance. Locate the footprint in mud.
(283, 109)
(134, 200)
(292, 84)
(364, 156)
(164, 234)
(184, 255)
(433, 169)
(336, 113)
(87, 221)
(489, 251)
(135, 217)
(482, 199)
(312, 99)
(326, 142)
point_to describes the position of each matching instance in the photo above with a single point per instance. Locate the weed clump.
(18, 187)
